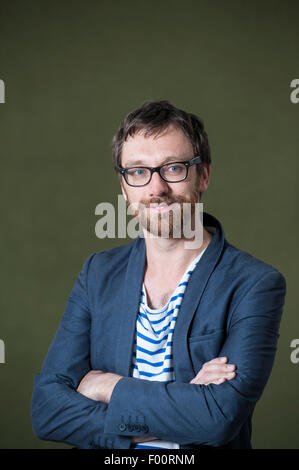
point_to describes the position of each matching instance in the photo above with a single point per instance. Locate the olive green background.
(72, 71)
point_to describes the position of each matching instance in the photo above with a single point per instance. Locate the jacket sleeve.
(58, 412)
(210, 415)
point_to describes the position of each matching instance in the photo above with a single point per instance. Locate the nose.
(157, 186)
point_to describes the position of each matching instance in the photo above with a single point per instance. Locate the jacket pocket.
(204, 348)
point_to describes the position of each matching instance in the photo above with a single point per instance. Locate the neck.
(161, 253)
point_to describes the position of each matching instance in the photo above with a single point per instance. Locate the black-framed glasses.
(173, 172)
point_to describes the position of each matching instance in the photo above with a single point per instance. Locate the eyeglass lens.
(139, 176)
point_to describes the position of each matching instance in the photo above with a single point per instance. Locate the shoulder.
(246, 269)
(237, 266)
(107, 261)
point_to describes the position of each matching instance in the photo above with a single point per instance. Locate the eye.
(174, 168)
(139, 172)
(136, 172)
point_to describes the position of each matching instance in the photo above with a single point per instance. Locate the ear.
(123, 192)
(204, 179)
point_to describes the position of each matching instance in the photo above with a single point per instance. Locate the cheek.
(189, 187)
(196, 182)
(126, 193)
(133, 197)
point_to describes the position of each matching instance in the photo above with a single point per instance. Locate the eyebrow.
(133, 163)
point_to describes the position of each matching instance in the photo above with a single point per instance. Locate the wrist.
(113, 380)
(107, 382)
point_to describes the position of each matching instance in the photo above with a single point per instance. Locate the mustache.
(166, 200)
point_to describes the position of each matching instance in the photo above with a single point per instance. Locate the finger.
(225, 378)
(220, 381)
(230, 375)
(213, 378)
(217, 360)
(209, 378)
(219, 369)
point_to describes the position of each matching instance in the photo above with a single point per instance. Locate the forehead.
(171, 142)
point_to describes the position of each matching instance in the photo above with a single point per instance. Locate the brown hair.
(155, 116)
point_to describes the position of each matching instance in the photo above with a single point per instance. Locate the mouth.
(163, 207)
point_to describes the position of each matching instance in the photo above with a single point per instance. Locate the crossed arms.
(74, 405)
(99, 385)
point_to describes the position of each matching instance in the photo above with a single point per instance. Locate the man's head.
(153, 135)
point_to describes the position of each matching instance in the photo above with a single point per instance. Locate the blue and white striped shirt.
(152, 356)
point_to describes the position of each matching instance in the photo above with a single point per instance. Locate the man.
(162, 345)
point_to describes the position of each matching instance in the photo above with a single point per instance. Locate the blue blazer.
(232, 307)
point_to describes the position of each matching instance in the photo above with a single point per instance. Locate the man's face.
(171, 146)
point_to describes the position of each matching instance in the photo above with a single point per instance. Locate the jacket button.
(122, 427)
(144, 428)
(130, 427)
(137, 428)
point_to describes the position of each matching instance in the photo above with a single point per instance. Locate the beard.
(168, 224)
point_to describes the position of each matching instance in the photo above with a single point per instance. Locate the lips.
(162, 204)
(163, 207)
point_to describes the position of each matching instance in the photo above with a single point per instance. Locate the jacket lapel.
(182, 365)
(130, 306)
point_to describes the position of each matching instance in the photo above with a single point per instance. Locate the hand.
(98, 385)
(215, 371)
(137, 439)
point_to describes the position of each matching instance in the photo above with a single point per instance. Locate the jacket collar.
(131, 296)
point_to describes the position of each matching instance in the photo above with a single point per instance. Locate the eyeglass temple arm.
(195, 160)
